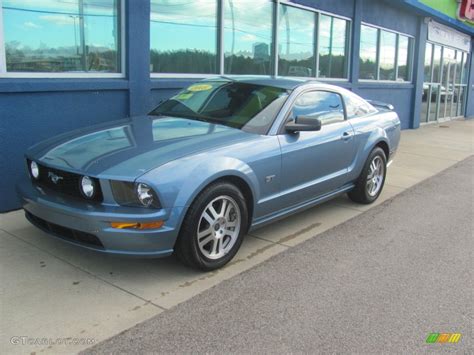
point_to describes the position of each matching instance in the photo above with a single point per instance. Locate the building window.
(388, 47)
(465, 71)
(368, 53)
(437, 64)
(237, 37)
(54, 36)
(459, 56)
(333, 45)
(248, 36)
(404, 44)
(385, 55)
(183, 36)
(296, 42)
(428, 59)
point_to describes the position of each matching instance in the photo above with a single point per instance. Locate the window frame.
(274, 48)
(347, 96)
(410, 61)
(281, 129)
(53, 75)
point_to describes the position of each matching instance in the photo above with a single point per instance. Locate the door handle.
(347, 136)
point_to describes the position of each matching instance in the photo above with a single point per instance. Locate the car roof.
(279, 82)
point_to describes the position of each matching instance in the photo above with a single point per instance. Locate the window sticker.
(183, 96)
(199, 87)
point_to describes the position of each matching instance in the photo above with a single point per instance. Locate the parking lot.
(53, 290)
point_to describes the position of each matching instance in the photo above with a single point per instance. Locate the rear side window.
(324, 105)
(357, 106)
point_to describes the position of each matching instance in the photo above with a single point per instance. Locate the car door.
(315, 163)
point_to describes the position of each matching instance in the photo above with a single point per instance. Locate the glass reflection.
(459, 56)
(388, 43)
(248, 36)
(428, 57)
(296, 42)
(437, 64)
(332, 47)
(462, 97)
(83, 150)
(61, 36)
(424, 103)
(368, 53)
(465, 69)
(403, 58)
(183, 36)
(434, 102)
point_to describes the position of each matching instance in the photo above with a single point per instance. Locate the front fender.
(205, 174)
(179, 182)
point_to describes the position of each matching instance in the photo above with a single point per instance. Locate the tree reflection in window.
(332, 47)
(248, 36)
(183, 36)
(368, 53)
(62, 36)
(296, 42)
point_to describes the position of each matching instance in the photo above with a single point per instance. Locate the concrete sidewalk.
(376, 284)
(54, 290)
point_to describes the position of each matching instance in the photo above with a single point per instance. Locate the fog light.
(34, 169)
(136, 225)
(87, 186)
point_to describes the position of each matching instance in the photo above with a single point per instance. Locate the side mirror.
(303, 124)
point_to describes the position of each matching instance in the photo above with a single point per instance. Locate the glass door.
(446, 92)
(444, 84)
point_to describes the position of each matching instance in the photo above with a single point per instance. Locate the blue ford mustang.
(221, 157)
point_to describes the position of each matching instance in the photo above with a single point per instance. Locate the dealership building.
(71, 64)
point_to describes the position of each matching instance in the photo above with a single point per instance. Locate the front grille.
(65, 233)
(66, 183)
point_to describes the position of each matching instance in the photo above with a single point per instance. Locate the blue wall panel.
(376, 12)
(401, 98)
(339, 7)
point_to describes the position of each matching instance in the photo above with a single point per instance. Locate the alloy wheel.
(375, 176)
(218, 227)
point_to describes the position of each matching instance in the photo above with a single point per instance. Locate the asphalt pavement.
(378, 283)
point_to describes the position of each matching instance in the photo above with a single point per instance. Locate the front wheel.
(213, 229)
(370, 183)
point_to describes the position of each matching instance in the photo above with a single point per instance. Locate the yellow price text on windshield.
(200, 87)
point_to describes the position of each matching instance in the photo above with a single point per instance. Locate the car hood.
(129, 148)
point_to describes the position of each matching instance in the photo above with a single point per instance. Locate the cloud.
(60, 20)
(33, 25)
(248, 37)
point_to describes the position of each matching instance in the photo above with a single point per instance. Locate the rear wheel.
(213, 229)
(370, 183)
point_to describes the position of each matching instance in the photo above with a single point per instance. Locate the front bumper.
(88, 226)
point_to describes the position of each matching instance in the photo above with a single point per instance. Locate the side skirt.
(262, 221)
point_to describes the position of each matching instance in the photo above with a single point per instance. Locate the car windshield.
(245, 106)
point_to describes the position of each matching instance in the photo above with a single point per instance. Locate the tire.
(210, 237)
(365, 191)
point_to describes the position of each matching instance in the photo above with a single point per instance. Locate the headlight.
(145, 194)
(34, 170)
(87, 186)
(134, 194)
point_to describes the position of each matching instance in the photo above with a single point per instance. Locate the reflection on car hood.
(129, 148)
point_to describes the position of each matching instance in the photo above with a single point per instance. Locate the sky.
(51, 23)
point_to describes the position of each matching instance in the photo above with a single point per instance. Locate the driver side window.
(325, 105)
